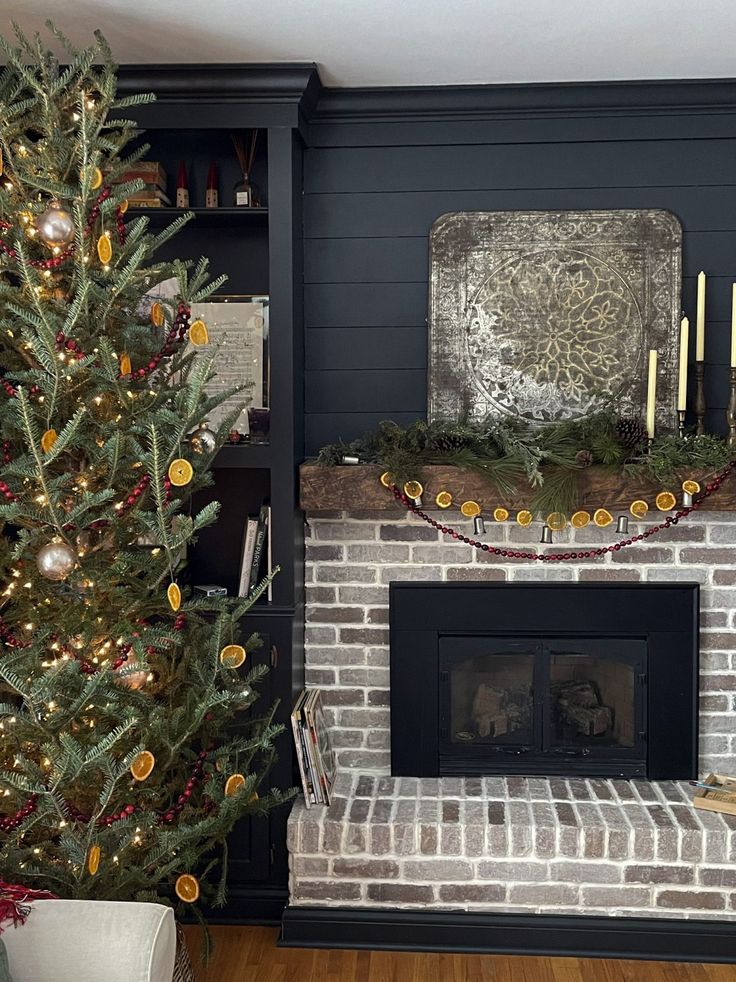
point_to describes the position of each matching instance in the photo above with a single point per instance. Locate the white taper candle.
(700, 322)
(651, 393)
(682, 378)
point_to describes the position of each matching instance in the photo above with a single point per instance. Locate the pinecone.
(584, 458)
(448, 443)
(631, 433)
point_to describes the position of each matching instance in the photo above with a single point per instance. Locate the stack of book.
(153, 195)
(255, 560)
(313, 750)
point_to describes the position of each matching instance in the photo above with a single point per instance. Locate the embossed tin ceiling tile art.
(549, 315)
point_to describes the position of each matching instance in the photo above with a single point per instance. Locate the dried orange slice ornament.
(500, 514)
(104, 248)
(48, 440)
(157, 314)
(173, 594)
(233, 784)
(691, 487)
(198, 333)
(232, 655)
(580, 519)
(387, 480)
(557, 520)
(602, 517)
(639, 508)
(443, 499)
(187, 888)
(470, 509)
(180, 472)
(665, 501)
(524, 518)
(142, 765)
(93, 859)
(125, 366)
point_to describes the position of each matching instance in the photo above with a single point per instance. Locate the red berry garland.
(10, 822)
(710, 489)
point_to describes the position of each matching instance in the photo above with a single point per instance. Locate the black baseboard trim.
(259, 904)
(657, 939)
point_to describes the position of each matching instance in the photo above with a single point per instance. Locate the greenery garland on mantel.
(548, 459)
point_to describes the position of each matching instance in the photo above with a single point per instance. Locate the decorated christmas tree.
(129, 742)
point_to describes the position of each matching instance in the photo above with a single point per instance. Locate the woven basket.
(183, 971)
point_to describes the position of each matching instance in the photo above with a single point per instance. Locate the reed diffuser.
(246, 195)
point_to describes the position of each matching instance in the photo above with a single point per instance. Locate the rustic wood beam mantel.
(353, 488)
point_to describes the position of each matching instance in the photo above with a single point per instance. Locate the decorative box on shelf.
(717, 800)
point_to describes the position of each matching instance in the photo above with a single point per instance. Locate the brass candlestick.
(700, 397)
(731, 411)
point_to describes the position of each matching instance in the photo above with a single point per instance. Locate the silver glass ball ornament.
(55, 226)
(56, 560)
(203, 440)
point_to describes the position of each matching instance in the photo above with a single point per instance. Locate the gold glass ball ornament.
(203, 440)
(55, 226)
(56, 560)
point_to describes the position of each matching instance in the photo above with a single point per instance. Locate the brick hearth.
(516, 845)
(513, 844)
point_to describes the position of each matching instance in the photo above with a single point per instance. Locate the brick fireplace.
(511, 844)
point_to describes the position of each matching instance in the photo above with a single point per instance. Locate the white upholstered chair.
(93, 941)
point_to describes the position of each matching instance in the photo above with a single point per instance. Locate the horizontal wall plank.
(405, 304)
(592, 165)
(412, 212)
(366, 347)
(360, 391)
(365, 304)
(522, 129)
(406, 258)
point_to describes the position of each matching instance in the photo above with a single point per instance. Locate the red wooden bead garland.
(710, 489)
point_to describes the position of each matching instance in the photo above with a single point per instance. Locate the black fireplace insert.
(544, 678)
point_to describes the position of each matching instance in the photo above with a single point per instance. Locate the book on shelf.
(256, 552)
(149, 171)
(314, 752)
(249, 544)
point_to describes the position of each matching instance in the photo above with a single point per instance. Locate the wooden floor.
(249, 954)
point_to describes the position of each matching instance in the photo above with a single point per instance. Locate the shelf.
(206, 217)
(246, 455)
(353, 488)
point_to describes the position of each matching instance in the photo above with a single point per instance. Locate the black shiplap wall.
(382, 166)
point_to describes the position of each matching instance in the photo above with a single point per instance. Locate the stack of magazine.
(313, 750)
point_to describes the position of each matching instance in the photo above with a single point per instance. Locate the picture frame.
(238, 325)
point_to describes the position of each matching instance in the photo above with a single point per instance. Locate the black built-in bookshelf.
(196, 110)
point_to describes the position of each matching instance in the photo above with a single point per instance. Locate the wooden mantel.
(357, 488)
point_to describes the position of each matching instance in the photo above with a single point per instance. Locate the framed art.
(550, 315)
(238, 326)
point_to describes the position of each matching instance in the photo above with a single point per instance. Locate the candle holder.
(699, 397)
(681, 422)
(731, 411)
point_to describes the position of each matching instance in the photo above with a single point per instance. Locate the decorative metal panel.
(549, 315)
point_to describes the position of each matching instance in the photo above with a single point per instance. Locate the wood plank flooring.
(249, 954)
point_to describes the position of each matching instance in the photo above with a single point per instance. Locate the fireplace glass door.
(542, 705)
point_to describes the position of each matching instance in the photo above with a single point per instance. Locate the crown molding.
(548, 99)
(297, 85)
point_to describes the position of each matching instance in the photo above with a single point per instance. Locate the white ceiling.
(414, 42)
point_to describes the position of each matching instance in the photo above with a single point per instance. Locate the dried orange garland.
(698, 499)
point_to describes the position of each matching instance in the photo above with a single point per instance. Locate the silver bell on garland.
(203, 440)
(55, 226)
(56, 560)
